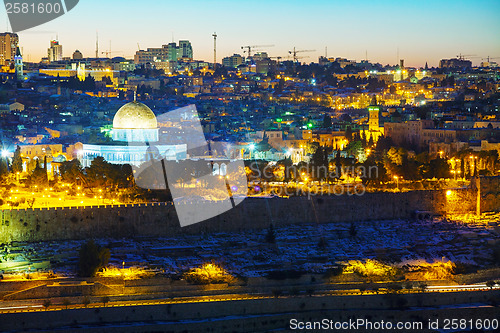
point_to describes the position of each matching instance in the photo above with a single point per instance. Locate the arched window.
(215, 170)
(223, 169)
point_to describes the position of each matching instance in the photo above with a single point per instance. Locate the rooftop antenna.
(366, 55)
(397, 56)
(172, 36)
(326, 52)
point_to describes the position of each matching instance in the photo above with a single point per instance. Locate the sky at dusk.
(421, 30)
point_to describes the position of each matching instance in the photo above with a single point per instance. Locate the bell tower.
(18, 63)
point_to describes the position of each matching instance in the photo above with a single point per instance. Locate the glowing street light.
(397, 182)
(251, 147)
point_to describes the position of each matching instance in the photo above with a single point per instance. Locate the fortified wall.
(488, 194)
(160, 219)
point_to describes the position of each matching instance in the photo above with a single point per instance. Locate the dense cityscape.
(369, 189)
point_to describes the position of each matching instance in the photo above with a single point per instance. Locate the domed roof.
(135, 115)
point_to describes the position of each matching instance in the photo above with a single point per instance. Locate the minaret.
(373, 115)
(18, 62)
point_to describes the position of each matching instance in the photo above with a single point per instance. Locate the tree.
(66, 302)
(46, 304)
(320, 163)
(346, 118)
(490, 284)
(71, 171)
(287, 164)
(4, 165)
(17, 161)
(86, 301)
(39, 176)
(352, 230)
(348, 133)
(396, 155)
(422, 286)
(394, 288)
(92, 258)
(104, 300)
(322, 243)
(362, 137)
(371, 142)
(98, 171)
(439, 168)
(338, 165)
(271, 235)
(354, 148)
(362, 289)
(327, 121)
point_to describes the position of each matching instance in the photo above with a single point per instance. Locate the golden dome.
(135, 115)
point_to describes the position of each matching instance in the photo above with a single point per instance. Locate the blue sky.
(421, 30)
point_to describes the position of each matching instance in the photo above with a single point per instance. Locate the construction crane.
(108, 53)
(488, 58)
(461, 56)
(489, 63)
(250, 47)
(294, 53)
(296, 58)
(277, 58)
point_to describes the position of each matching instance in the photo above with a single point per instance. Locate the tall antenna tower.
(97, 45)
(214, 35)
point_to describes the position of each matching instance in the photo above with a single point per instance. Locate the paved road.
(36, 305)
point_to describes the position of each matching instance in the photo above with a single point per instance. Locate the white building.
(135, 132)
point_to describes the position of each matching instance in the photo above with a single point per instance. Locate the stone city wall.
(160, 219)
(488, 194)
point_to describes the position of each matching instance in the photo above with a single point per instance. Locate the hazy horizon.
(421, 32)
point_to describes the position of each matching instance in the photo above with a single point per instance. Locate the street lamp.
(397, 182)
(252, 147)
